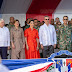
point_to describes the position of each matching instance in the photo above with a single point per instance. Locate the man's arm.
(58, 35)
(8, 38)
(40, 37)
(55, 38)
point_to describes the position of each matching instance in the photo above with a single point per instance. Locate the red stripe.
(42, 69)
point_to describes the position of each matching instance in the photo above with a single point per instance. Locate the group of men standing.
(50, 36)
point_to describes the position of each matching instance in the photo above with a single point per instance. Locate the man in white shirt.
(4, 39)
(47, 37)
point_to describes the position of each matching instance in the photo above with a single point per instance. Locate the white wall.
(15, 8)
(64, 9)
(20, 17)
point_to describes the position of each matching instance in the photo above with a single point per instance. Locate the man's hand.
(58, 46)
(41, 46)
(8, 47)
(54, 45)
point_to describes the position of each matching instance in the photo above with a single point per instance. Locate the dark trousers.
(47, 51)
(3, 52)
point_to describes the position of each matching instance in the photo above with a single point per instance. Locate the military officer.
(64, 35)
(11, 23)
(36, 24)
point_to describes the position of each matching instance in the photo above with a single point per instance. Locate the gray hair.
(1, 20)
(46, 16)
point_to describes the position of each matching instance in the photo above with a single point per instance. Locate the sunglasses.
(46, 19)
(65, 19)
(59, 24)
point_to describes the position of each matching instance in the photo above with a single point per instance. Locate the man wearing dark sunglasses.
(56, 28)
(64, 35)
(47, 37)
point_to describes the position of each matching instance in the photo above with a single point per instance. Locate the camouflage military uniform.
(37, 28)
(71, 36)
(64, 37)
(10, 26)
(56, 28)
(27, 26)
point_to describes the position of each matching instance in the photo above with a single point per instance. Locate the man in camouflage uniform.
(56, 28)
(11, 23)
(71, 33)
(27, 26)
(36, 24)
(56, 22)
(64, 35)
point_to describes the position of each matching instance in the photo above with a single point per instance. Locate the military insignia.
(61, 27)
(56, 29)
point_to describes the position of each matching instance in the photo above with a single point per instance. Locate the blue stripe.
(15, 64)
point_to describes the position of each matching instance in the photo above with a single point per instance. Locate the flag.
(64, 65)
(69, 61)
(30, 65)
(58, 64)
(51, 68)
(69, 64)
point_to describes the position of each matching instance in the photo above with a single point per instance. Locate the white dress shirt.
(4, 37)
(47, 35)
(3, 68)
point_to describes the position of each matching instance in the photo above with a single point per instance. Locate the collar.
(36, 26)
(46, 25)
(30, 28)
(64, 25)
(17, 29)
(11, 23)
(2, 27)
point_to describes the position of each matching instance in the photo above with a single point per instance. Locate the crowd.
(36, 39)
